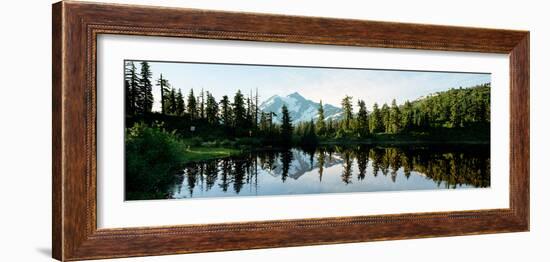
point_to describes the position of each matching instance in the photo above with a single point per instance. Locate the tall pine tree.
(362, 126)
(385, 112)
(173, 106)
(407, 116)
(180, 104)
(320, 126)
(202, 112)
(395, 118)
(226, 114)
(192, 105)
(347, 107)
(164, 90)
(146, 88)
(211, 109)
(286, 126)
(132, 87)
(239, 111)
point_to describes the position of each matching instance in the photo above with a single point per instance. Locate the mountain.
(300, 108)
(302, 163)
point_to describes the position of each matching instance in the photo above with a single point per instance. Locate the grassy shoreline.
(200, 153)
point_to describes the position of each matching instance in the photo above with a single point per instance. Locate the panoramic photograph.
(204, 130)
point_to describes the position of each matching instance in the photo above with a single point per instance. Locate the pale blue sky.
(327, 84)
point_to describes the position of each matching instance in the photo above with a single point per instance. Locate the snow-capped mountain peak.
(300, 108)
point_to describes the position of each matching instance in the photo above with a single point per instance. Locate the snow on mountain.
(302, 163)
(300, 108)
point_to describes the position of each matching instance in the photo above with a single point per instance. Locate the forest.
(238, 116)
(192, 125)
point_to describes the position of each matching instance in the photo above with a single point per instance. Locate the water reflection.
(336, 169)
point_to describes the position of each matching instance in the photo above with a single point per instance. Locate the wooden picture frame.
(76, 26)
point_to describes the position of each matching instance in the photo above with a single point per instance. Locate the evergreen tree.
(348, 113)
(362, 126)
(395, 118)
(226, 114)
(131, 81)
(172, 98)
(164, 90)
(375, 121)
(286, 126)
(407, 116)
(385, 112)
(320, 125)
(180, 105)
(239, 111)
(192, 106)
(457, 115)
(202, 112)
(167, 102)
(146, 88)
(211, 109)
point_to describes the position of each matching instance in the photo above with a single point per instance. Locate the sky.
(327, 84)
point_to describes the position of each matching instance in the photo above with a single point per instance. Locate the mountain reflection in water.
(336, 170)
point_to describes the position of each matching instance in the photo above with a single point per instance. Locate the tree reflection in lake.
(336, 169)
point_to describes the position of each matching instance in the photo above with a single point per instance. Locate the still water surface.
(336, 170)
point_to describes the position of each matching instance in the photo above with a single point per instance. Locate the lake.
(336, 169)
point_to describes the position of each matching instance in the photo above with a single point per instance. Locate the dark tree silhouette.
(146, 88)
(239, 112)
(164, 89)
(226, 112)
(286, 126)
(375, 122)
(180, 104)
(320, 124)
(211, 109)
(131, 82)
(347, 109)
(286, 160)
(192, 105)
(362, 126)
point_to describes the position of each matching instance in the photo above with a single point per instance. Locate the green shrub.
(152, 156)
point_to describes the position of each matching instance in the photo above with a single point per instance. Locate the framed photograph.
(183, 130)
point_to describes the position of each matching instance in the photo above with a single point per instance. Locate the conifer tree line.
(239, 115)
(455, 108)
